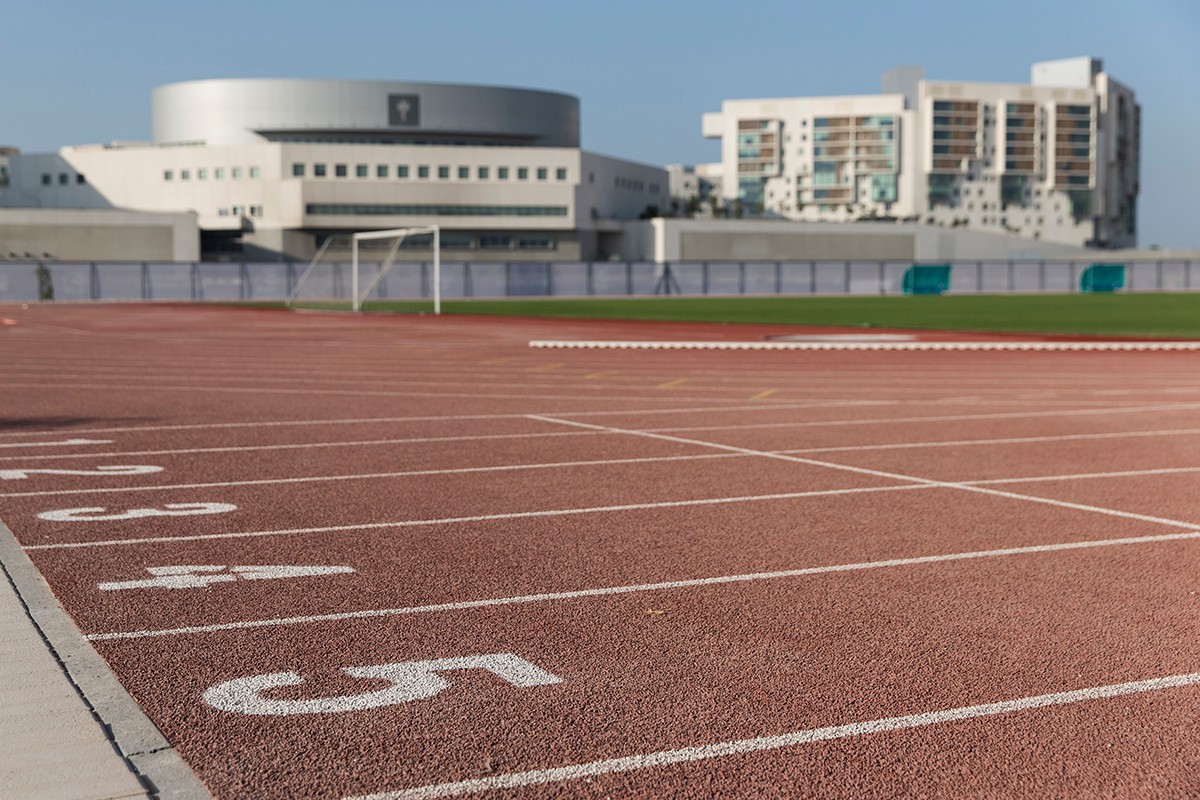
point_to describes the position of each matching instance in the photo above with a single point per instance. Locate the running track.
(413, 557)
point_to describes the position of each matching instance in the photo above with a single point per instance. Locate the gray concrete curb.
(134, 738)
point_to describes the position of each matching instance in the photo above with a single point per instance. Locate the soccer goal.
(377, 252)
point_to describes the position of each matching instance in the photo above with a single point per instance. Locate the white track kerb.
(884, 345)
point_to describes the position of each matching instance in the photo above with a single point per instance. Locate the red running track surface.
(412, 557)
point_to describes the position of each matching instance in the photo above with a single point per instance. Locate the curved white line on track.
(1023, 346)
(708, 752)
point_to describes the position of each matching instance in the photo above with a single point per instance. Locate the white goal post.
(398, 235)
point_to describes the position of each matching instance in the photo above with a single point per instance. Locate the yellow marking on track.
(672, 384)
(764, 394)
(544, 368)
(604, 373)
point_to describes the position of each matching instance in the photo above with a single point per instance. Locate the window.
(360, 171)
(256, 211)
(255, 172)
(202, 174)
(297, 170)
(502, 173)
(542, 173)
(522, 173)
(80, 179)
(381, 170)
(464, 173)
(402, 170)
(236, 173)
(219, 173)
(560, 174)
(63, 178)
(535, 242)
(237, 211)
(443, 172)
(168, 175)
(340, 170)
(422, 172)
(495, 241)
(457, 241)
(482, 173)
(185, 174)
(318, 170)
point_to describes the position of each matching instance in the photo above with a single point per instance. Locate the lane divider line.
(414, 523)
(608, 591)
(1024, 346)
(836, 402)
(763, 395)
(672, 383)
(708, 752)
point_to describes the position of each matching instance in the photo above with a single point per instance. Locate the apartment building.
(1054, 160)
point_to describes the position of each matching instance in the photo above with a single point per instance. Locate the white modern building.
(1054, 160)
(271, 167)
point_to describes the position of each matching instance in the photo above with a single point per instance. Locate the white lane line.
(1054, 346)
(878, 473)
(606, 591)
(562, 512)
(837, 403)
(707, 752)
(1065, 437)
(546, 434)
(1093, 411)
(367, 476)
(162, 388)
(310, 445)
(1069, 412)
(63, 443)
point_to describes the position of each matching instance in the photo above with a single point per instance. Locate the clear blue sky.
(77, 72)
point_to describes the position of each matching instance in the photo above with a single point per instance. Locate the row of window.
(424, 172)
(432, 210)
(218, 173)
(236, 211)
(64, 178)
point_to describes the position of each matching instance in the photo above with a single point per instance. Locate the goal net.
(351, 268)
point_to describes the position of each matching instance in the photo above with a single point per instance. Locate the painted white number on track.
(410, 680)
(63, 443)
(22, 474)
(194, 577)
(99, 514)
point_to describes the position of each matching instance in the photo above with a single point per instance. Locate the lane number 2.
(409, 681)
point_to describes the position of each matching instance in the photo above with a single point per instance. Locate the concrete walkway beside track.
(54, 743)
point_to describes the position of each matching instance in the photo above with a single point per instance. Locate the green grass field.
(1174, 315)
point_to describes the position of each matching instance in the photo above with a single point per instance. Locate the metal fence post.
(812, 277)
(94, 282)
(1011, 283)
(882, 270)
(1073, 287)
(629, 277)
(591, 279)
(507, 277)
(145, 281)
(978, 277)
(741, 277)
(1158, 275)
(703, 277)
(778, 278)
(1041, 276)
(549, 279)
(242, 281)
(846, 278)
(424, 279)
(467, 291)
(193, 272)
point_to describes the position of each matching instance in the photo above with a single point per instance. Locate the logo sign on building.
(404, 109)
